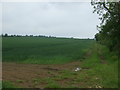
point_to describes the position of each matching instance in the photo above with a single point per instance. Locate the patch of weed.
(8, 84)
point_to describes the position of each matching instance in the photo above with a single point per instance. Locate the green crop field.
(42, 50)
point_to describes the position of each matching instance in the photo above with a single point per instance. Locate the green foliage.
(109, 29)
(38, 50)
(53, 85)
(8, 84)
(0, 84)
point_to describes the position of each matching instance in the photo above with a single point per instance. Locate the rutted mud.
(23, 74)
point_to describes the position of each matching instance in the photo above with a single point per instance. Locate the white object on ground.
(78, 69)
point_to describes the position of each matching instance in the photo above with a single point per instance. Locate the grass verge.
(102, 68)
(8, 84)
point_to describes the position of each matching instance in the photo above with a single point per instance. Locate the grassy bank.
(102, 67)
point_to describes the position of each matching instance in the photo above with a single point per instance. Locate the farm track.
(23, 74)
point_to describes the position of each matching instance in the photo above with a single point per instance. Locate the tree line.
(7, 35)
(109, 28)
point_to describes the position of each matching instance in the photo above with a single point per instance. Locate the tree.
(6, 35)
(109, 28)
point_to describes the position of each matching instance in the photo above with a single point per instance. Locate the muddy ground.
(23, 74)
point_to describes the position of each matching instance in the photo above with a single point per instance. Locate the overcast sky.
(46, 18)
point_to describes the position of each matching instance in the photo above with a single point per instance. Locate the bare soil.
(23, 74)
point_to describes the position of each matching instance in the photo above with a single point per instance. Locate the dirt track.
(26, 72)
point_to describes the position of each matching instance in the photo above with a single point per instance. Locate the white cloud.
(57, 19)
(45, 0)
